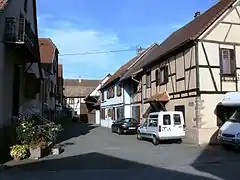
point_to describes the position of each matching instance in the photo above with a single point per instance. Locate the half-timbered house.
(193, 69)
(75, 90)
(116, 94)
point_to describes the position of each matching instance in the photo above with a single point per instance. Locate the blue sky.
(92, 25)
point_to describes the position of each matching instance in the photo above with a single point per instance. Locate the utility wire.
(98, 52)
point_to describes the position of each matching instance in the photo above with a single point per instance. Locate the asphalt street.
(92, 152)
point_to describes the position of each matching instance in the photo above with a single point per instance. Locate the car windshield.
(129, 120)
(235, 117)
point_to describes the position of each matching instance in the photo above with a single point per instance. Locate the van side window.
(153, 122)
(177, 119)
(166, 119)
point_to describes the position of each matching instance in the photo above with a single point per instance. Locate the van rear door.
(165, 125)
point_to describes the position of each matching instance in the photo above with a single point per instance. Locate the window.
(113, 114)
(153, 123)
(154, 116)
(102, 113)
(157, 77)
(182, 109)
(119, 90)
(164, 75)
(71, 100)
(145, 123)
(166, 119)
(102, 94)
(129, 120)
(227, 62)
(177, 119)
(110, 92)
(148, 79)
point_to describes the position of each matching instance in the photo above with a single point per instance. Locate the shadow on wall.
(94, 161)
(72, 130)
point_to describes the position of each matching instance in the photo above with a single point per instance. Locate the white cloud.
(71, 38)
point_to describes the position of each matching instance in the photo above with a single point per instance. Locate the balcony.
(18, 33)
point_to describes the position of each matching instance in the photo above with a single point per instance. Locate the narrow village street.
(91, 151)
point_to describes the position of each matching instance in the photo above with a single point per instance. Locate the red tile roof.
(3, 3)
(47, 50)
(123, 69)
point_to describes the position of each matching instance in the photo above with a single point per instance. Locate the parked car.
(164, 125)
(229, 133)
(125, 125)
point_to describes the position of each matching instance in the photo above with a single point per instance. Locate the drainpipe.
(142, 99)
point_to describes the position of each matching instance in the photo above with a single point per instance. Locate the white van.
(164, 125)
(229, 133)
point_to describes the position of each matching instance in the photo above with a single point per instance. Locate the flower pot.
(16, 158)
(35, 153)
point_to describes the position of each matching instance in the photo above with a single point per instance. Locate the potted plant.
(38, 146)
(19, 152)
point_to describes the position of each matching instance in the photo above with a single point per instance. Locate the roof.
(79, 88)
(60, 70)
(148, 53)
(47, 50)
(102, 84)
(122, 70)
(191, 31)
(3, 3)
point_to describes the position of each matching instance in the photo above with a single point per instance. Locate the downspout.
(142, 99)
(198, 98)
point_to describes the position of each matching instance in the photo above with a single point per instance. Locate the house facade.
(49, 62)
(75, 90)
(20, 73)
(116, 94)
(93, 100)
(193, 69)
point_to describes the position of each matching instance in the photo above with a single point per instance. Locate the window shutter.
(232, 62)
(166, 74)
(157, 77)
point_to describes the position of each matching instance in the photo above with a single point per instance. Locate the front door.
(16, 88)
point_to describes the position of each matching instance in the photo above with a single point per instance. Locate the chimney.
(79, 80)
(197, 14)
(140, 50)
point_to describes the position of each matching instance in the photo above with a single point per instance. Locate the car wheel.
(179, 141)
(155, 140)
(139, 137)
(112, 130)
(119, 131)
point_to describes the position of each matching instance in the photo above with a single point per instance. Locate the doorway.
(182, 109)
(16, 88)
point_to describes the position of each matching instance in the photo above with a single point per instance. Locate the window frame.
(157, 77)
(164, 76)
(169, 121)
(148, 79)
(231, 62)
(119, 90)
